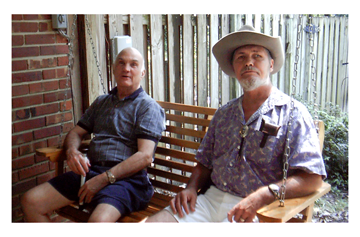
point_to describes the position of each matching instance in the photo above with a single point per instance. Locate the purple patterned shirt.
(239, 165)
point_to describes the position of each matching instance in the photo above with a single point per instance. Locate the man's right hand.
(77, 162)
(184, 199)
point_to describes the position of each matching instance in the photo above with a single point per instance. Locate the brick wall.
(39, 76)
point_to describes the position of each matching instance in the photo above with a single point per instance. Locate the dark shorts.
(127, 195)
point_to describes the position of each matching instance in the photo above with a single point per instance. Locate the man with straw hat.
(242, 152)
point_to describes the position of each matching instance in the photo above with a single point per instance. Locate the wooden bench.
(172, 166)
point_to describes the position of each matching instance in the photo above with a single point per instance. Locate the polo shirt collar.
(130, 97)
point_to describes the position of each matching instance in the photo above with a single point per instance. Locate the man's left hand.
(91, 187)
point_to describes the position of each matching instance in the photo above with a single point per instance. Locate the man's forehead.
(253, 48)
(129, 55)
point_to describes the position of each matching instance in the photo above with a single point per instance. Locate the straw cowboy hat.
(223, 50)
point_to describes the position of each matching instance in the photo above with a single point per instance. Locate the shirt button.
(238, 147)
(231, 164)
(224, 183)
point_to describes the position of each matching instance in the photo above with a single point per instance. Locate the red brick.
(48, 50)
(27, 101)
(45, 26)
(56, 96)
(42, 63)
(16, 17)
(68, 105)
(20, 90)
(46, 132)
(23, 162)
(44, 109)
(61, 72)
(29, 124)
(22, 138)
(62, 49)
(49, 74)
(40, 39)
(54, 141)
(22, 187)
(39, 144)
(58, 118)
(43, 86)
(17, 40)
(63, 61)
(67, 127)
(14, 152)
(25, 52)
(26, 149)
(33, 170)
(31, 17)
(26, 77)
(45, 177)
(24, 27)
(22, 114)
(19, 65)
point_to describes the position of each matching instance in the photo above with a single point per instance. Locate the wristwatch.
(111, 177)
(275, 190)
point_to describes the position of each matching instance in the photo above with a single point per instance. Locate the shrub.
(336, 143)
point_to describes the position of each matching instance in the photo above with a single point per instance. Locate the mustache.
(249, 68)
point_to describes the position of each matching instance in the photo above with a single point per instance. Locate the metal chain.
(69, 73)
(94, 53)
(292, 106)
(313, 71)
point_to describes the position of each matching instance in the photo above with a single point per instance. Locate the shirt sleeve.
(304, 144)
(150, 122)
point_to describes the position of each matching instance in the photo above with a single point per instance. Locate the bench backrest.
(174, 159)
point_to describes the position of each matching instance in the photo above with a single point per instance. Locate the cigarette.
(81, 184)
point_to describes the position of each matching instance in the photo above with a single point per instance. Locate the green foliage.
(336, 143)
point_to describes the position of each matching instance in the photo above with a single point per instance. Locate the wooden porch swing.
(175, 160)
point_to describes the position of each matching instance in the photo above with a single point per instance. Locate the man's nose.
(249, 62)
(127, 67)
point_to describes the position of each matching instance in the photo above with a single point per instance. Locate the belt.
(106, 163)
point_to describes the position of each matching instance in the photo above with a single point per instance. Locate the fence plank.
(138, 42)
(201, 64)
(225, 79)
(188, 60)
(173, 58)
(214, 67)
(97, 33)
(157, 57)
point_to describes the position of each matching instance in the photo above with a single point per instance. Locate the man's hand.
(244, 211)
(77, 162)
(184, 199)
(91, 187)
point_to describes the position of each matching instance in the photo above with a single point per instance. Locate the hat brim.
(224, 48)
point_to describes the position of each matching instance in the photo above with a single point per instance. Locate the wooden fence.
(181, 67)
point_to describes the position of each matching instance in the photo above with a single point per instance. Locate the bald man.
(127, 125)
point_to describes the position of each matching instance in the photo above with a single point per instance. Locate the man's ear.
(143, 73)
(272, 65)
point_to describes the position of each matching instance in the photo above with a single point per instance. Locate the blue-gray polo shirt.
(117, 124)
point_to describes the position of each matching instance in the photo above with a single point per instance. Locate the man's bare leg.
(161, 216)
(105, 213)
(41, 200)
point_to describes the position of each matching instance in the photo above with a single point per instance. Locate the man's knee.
(161, 216)
(105, 213)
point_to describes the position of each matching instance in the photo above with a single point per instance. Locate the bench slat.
(185, 131)
(174, 164)
(187, 108)
(188, 120)
(175, 153)
(180, 142)
(167, 174)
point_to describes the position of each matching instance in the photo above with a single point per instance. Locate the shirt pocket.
(262, 157)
